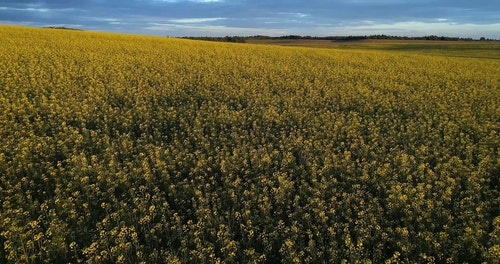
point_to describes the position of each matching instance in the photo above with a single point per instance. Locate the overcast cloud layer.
(462, 18)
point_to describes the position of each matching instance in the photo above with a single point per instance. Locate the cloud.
(28, 9)
(270, 17)
(292, 14)
(35, 9)
(407, 28)
(413, 28)
(196, 20)
(204, 30)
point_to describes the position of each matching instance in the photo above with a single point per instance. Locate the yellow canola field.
(130, 149)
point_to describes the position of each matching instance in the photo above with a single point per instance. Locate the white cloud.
(209, 30)
(112, 21)
(299, 15)
(195, 20)
(28, 9)
(409, 28)
(41, 10)
(412, 28)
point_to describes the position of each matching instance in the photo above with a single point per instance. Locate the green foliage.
(134, 149)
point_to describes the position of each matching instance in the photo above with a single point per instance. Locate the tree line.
(243, 39)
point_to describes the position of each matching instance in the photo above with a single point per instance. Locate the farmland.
(130, 149)
(465, 49)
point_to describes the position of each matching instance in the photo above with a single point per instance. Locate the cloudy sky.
(462, 18)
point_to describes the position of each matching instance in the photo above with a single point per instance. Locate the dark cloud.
(218, 17)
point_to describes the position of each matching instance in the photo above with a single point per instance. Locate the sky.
(452, 18)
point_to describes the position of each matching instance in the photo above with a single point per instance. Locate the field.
(466, 49)
(130, 149)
